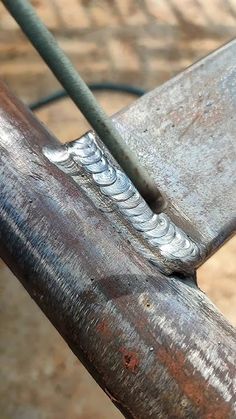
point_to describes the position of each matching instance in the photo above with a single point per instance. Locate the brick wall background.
(142, 42)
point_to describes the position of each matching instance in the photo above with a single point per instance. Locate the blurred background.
(143, 43)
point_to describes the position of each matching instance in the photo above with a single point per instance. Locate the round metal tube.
(81, 95)
(155, 344)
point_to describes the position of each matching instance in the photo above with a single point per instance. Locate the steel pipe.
(155, 344)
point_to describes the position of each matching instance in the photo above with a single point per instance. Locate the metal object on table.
(155, 344)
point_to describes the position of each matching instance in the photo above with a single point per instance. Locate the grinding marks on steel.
(158, 230)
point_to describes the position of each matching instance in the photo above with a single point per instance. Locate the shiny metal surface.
(156, 344)
(175, 250)
(184, 133)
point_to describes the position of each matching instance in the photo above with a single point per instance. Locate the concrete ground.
(143, 42)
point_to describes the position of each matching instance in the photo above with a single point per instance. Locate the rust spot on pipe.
(194, 386)
(130, 360)
(103, 328)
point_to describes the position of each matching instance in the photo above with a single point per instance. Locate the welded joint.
(158, 230)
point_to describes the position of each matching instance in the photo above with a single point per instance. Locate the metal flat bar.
(184, 133)
(156, 345)
(68, 76)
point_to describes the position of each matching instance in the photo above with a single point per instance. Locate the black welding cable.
(79, 92)
(61, 94)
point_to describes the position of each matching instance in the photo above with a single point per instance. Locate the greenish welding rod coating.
(79, 92)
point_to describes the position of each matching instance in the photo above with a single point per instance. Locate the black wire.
(61, 94)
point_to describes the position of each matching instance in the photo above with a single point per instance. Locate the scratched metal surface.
(155, 344)
(184, 133)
